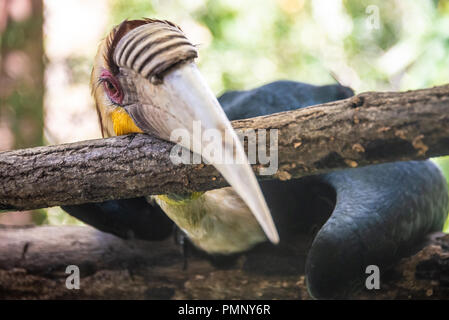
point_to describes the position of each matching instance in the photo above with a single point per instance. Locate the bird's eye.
(111, 87)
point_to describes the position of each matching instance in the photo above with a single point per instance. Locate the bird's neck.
(217, 221)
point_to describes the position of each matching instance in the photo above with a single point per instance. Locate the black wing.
(128, 218)
(370, 215)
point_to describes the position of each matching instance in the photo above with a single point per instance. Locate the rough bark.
(369, 128)
(33, 263)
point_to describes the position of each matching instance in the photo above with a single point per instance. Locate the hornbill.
(144, 80)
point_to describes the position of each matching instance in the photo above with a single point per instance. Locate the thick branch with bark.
(369, 128)
(33, 262)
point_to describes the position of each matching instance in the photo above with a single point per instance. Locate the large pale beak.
(183, 100)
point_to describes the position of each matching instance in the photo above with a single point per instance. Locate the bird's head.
(144, 80)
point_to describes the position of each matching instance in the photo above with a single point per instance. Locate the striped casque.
(131, 63)
(152, 49)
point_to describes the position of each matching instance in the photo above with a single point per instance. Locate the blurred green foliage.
(257, 41)
(131, 9)
(21, 94)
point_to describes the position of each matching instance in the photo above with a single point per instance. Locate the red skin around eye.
(111, 87)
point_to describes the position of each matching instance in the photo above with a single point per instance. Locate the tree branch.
(33, 263)
(369, 128)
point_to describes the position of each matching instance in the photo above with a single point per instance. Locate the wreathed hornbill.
(144, 79)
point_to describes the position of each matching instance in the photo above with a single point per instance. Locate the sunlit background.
(47, 49)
